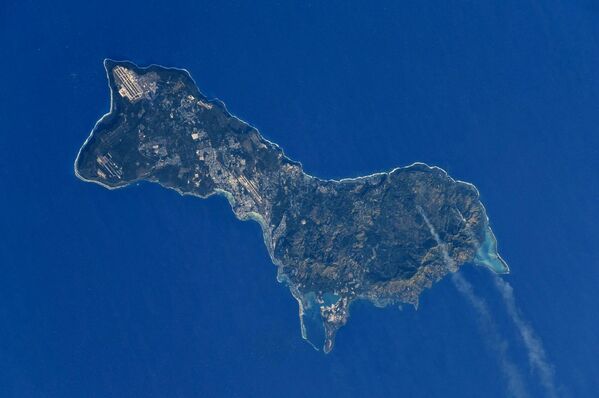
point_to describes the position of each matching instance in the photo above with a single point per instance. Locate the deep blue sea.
(142, 293)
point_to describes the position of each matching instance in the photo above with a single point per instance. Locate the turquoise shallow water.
(487, 255)
(142, 293)
(313, 327)
(330, 298)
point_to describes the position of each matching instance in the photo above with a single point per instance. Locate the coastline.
(418, 282)
(342, 180)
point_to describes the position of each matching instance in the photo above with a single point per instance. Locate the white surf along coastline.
(486, 254)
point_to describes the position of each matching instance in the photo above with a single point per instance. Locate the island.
(384, 237)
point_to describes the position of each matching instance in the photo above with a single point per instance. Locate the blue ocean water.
(141, 292)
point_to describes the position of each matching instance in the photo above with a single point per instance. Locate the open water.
(141, 292)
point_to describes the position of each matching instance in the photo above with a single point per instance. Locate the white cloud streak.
(495, 341)
(448, 260)
(534, 348)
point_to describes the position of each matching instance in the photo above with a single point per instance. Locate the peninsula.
(383, 237)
